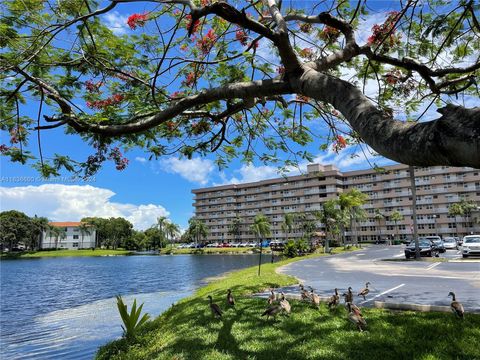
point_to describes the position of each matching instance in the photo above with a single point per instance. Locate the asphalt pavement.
(414, 282)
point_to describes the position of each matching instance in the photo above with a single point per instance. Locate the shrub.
(131, 322)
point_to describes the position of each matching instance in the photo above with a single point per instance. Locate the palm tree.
(198, 229)
(171, 230)
(287, 225)
(84, 230)
(468, 207)
(161, 222)
(347, 202)
(261, 228)
(379, 217)
(40, 225)
(413, 189)
(329, 216)
(396, 216)
(234, 228)
(58, 232)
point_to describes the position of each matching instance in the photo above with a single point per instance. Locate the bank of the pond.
(64, 253)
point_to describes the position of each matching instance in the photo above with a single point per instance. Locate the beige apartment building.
(389, 191)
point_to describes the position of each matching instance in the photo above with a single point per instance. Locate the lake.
(65, 308)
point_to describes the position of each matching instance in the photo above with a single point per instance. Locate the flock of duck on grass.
(281, 305)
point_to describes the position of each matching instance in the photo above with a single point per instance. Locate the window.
(75, 244)
(75, 237)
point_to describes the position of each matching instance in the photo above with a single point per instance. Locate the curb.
(412, 307)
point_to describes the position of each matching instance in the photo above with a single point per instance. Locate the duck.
(334, 300)
(304, 293)
(273, 310)
(285, 304)
(315, 298)
(271, 298)
(216, 311)
(230, 298)
(349, 294)
(356, 318)
(351, 305)
(364, 291)
(456, 306)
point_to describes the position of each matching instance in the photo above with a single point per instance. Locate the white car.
(450, 243)
(471, 245)
(213, 245)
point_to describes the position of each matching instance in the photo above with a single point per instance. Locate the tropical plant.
(456, 209)
(229, 69)
(171, 230)
(261, 228)
(287, 224)
(197, 229)
(330, 217)
(379, 217)
(161, 223)
(40, 226)
(85, 229)
(235, 228)
(131, 321)
(349, 203)
(15, 226)
(395, 217)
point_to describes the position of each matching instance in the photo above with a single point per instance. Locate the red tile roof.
(65, 223)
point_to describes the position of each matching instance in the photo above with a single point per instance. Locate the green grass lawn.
(188, 330)
(62, 253)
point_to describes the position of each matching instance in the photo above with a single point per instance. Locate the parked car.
(427, 248)
(213, 245)
(438, 241)
(225, 245)
(471, 245)
(252, 244)
(235, 245)
(277, 245)
(450, 243)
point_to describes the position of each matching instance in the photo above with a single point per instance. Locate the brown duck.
(216, 311)
(285, 304)
(315, 298)
(304, 293)
(272, 297)
(334, 300)
(356, 318)
(364, 292)
(273, 310)
(456, 306)
(230, 298)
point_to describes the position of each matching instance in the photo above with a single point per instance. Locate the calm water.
(65, 308)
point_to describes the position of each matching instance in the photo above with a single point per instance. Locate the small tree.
(287, 225)
(235, 228)
(456, 209)
(379, 217)
(172, 230)
(261, 228)
(396, 216)
(198, 229)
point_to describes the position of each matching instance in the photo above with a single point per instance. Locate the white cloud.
(116, 22)
(251, 173)
(72, 202)
(195, 170)
(141, 159)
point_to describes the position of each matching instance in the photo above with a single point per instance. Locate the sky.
(146, 189)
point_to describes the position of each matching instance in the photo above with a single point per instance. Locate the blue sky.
(145, 189)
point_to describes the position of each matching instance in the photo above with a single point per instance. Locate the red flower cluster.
(190, 80)
(238, 117)
(170, 125)
(177, 94)
(17, 134)
(241, 36)
(4, 148)
(305, 27)
(302, 98)
(392, 77)
(306, 53)
(206, 43)
(205, 2)
(93, 87)
(196, 24)
(329, 33)
(255, 44)
(201, 127)
(281, 70)
(120, 161)
(137, 20)
(339, 144)
(103, 104)
(379, 32)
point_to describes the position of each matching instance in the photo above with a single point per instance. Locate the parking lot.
(392, 278)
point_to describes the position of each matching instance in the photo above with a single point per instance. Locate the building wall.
(72, 239)
(437, 187)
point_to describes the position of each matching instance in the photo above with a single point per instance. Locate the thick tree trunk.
(453, 139)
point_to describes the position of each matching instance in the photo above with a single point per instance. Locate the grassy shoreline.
(65, 253)
(188, 331)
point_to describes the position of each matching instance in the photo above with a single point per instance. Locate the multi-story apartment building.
(388, 192)
(71, 236)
